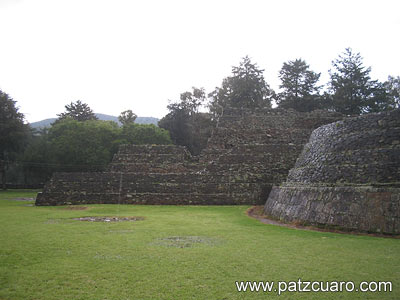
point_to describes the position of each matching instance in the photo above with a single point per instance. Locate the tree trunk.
(3, 178)
(3, 174)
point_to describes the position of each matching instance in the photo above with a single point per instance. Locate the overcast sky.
(117, 55)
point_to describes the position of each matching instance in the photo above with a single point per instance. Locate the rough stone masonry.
(347, 176)
(248, 152)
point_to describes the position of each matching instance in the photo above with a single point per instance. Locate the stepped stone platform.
(347, 176)
(248, 152)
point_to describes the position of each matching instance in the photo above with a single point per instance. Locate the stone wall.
(151, 159)
(249, 151)
(134, 188)
(348, 175)
(261, 144)
(359, 208)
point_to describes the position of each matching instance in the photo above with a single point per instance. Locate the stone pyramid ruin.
(249, 151)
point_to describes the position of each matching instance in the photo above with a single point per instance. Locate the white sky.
(117, 55)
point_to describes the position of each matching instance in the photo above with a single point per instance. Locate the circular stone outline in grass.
(186, 241)
(109, 219)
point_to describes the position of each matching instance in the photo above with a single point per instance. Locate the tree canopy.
(352, 90)
(71, 145)
(299, 86)
(246, 88)
(141, 134)
(392, 87)
(127, 117)
(186, 125)
(190, 101)
(83, 145)
(13, 132)
(12, 128)
(77, 111)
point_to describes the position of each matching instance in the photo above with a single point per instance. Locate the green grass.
(44, 254)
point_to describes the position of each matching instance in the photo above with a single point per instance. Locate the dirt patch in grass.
(22, 199)
(186, 241)
(257, 212)
(75, 208)
(109, 219)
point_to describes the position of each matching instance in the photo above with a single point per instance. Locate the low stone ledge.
(50, 199)
(360, 208)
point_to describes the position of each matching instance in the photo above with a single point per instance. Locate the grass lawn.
(176, 252)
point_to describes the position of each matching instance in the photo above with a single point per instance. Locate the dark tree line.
(13, 133)
(76, 141)
(350, 91)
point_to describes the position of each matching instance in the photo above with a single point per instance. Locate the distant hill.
(103, 117)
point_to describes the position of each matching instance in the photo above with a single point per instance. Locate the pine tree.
(77, 111)
(299, 85)
(245, 88)
(351, 86)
